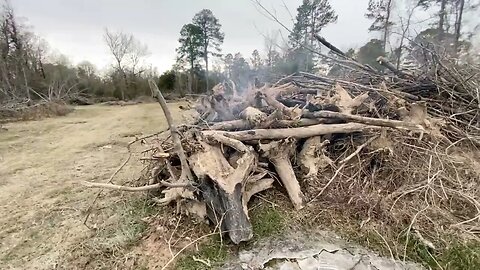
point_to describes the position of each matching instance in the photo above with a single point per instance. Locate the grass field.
(42, 202)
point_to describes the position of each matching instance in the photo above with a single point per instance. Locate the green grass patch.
(212, 251)
(267, 221)
(456, 257)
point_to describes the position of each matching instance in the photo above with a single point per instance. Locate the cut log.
(366, 120)
(244, 124)
(298, 133)
(279, 153)
(384, 62)
(254, 116)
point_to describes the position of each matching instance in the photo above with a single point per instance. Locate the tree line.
(29, 72)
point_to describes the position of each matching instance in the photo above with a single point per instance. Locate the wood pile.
(288, 133)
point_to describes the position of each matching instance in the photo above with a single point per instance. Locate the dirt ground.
(42, 202)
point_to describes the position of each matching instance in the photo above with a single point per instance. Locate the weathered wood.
(279, 153)
(244, 124)
(312, 157)
(298, 133)
(365, 120)
(223, 186)
(186, 174)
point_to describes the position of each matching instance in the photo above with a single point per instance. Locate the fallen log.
(297, 133)
(366, 120)
(244, 124)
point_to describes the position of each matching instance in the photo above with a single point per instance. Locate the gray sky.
(75, 27)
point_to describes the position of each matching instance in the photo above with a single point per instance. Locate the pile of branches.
(22, 110)
(382, 145)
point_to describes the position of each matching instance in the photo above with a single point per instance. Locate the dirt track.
(41, 165)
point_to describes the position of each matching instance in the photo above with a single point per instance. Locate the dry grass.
(42, 202)
(401, 195)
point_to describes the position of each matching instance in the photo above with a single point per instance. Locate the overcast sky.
(75, 27)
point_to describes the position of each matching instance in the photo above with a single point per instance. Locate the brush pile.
(380, 145)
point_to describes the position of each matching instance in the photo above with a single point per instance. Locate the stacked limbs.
(244, 143)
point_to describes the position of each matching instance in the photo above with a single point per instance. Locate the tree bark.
(190, 79)
(441, 22)
(298, 133)
(206, 68)
(387, 22)
(458, 24)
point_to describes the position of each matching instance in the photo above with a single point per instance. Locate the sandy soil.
(41, 165)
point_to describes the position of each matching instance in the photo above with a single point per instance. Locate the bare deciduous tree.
(128, 54)
(120, 46)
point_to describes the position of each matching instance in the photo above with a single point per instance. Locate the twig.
(134, 189)
(328, 184)
(206, 262)
(342, 164)
(147, 136)
(409, 229)
(386, 243)
(185, 247)
(344, 161)
(171, 236)
(186, 174)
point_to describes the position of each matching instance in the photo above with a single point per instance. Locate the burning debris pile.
(382, 145)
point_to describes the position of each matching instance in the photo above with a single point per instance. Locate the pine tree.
(312, 17)
(380, 12)
(212, 37)
(443, 23)
(228, 61)
(256, 60)
(191, 48)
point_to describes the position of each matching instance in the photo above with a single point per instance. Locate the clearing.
(42, 202)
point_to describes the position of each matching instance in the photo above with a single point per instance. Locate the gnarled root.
(223, 185)
(312, 157)
(279, 153)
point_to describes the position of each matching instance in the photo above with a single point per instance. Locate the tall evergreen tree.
(380, 12)
(312, 17)
(191, 48)
(240, 71)
(442, 23)
(256, 60)
(212, 37)
(453, 20)
(228, 62)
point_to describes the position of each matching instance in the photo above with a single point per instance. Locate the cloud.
(75, 27)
